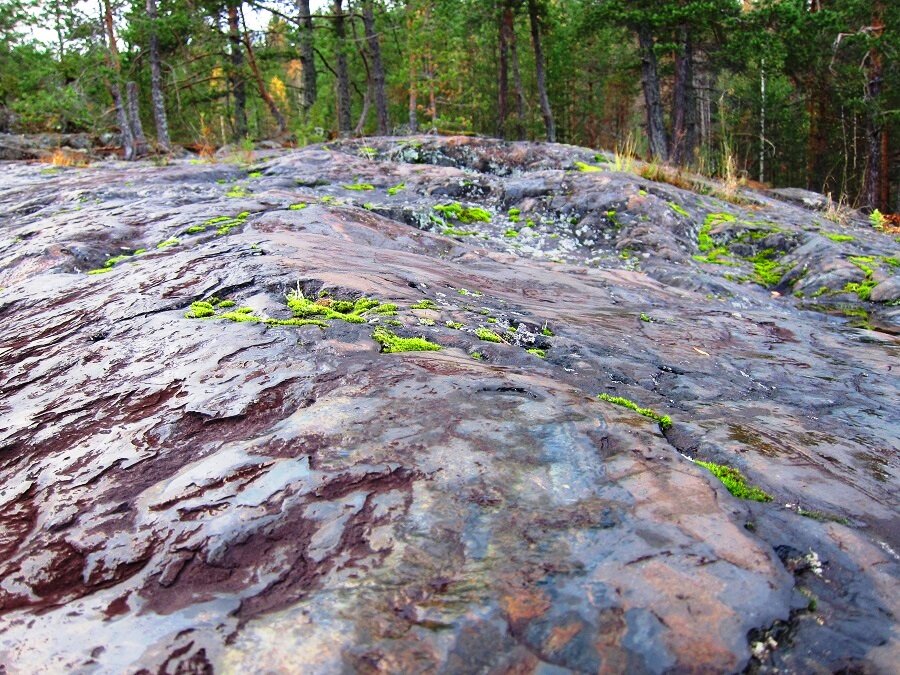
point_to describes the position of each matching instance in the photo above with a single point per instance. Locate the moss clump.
(488, 335)
(511, 233)
(704, 238)
(840, 238)
(298, 206)
(478, 356)
(646, 317)
(767, 271)
(426, 322)
(587, 168)
(545, 330)
(297, 322)
(168, 242)
(227, 303)
(424, 304)
(735, 482)
(679, 209)
(200, 310)
(399, 187)
(464, 214)
(100, 270)
(455, 325)
(241, 315)
(664, 420)
(716, 257)
(456, 232)
(350, 311)
(359, 187)
(237, 192)
(862, 289)
(514, 212)
(392, 343)
(254, 174)
(540, 353)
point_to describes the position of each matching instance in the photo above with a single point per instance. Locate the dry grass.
(838, 211)
(66, 157)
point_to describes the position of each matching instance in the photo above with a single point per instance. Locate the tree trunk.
(156, 94)
(134, 119)
(260, 83)
(377, 70)
(236, 76)
(503, 74)
(307, 57)
(343, 76)
(656, 129)
(517, 79)
(115, 89)
(684, 131)
(875, 156)
(541, 76)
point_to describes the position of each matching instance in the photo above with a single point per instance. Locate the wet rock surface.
(248, 484)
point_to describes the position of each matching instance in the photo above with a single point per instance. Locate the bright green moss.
(254, 174)
(545, 330)
(511, 233)
(514, 212)
(646, 317)
(359, 187)
(350, 311)
(717, 256)
(298, 206)
(392, 343)
(168, 242)
(101, 270)
(735, 482)
(840, 238)
(237, 192)
(200, 310)
(399, 187)
(478, 356)
(455, 325)
(664, 420)
(424, 304)
(587, 168)
(227, 303)
(464, 214)
(540, 353)
(367, 152)
(297, 322)
(680, 210)
(488, 335)
(426, 321)
(241, 315)
(195, 229)
(456, 232)
(704, 238)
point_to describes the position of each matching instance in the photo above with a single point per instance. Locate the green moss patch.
(587, 168)
(392, 343)
(488, 335)
(839, 238)
(359, 187)
(464, 214)
(735, 482)
(424, 304)
(664, 420)
(704, 238)
(679, 209)
(237, 192)
(393, 190)
(168, 242)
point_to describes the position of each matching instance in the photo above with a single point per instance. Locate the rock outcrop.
(217, 456)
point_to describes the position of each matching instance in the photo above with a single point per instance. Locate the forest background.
(783, 92)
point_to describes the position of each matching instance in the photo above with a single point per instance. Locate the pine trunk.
(684, 125)
(134, 119)
(115, 89)
(503, 74)
(343, 77)
(517, 79)
(873, 189)
(656, 129)
(377, 70)
(541, 76)
(156, 94)
(307, 57)
(236, 76)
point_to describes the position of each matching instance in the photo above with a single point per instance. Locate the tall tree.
(307, 57)
(115, 88)
(377, 67)
(236, 73)
(534, 17)
(156, 92)
(343, 74)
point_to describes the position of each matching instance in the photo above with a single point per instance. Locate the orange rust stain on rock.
(560, 636)
(525, 605)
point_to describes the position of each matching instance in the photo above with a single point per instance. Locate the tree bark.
(260, 83)
(377, 70)
(656, 129)
(236, 76)
(684, 124)
(115, 89)
(343, 76)
(156, 94)
(505, 27)
(307, 57)
(546, 111)
(517, 77)
(134, 119)
(873, 187)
